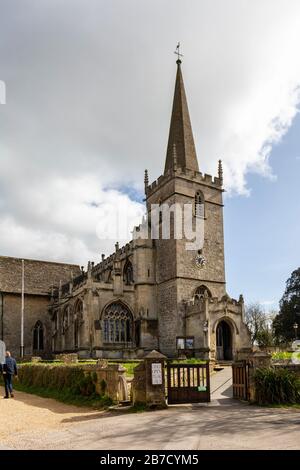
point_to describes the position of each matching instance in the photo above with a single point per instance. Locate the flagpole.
(22, 312)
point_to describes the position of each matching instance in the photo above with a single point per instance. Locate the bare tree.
(258, 323)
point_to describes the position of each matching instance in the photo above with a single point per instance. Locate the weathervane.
(177, 52)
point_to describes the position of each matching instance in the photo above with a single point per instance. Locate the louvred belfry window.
(201, 291)
(199, 205)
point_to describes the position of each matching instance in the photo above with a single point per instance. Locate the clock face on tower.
(200, 261)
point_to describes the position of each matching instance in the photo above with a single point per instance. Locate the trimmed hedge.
(58, 377)
(276, 386)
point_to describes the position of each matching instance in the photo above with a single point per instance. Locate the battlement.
(185, 173)
(106, 263)
(198, 303)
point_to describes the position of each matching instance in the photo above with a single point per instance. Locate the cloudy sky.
(89, 92)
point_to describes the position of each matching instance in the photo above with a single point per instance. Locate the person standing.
(9, 370)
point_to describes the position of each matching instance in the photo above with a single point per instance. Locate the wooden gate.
(188, 383)
(240, 380)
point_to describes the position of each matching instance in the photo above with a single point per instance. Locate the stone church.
(152, 293)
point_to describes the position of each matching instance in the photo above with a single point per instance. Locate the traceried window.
(117, 324)
(38, 336)
(201, 291)
(199, 204)
(128, 273)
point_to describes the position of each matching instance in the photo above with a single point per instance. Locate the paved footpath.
(30, 422)
(221, 387)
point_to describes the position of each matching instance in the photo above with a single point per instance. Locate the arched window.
(78, 311)
(199, 204)
(201, 291)
(38, 336)
(117, 324)
(78, 320)
(128, 273)
(65, 319)
(55, 322)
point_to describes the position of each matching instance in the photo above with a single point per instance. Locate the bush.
(60, 378)
(276, 386)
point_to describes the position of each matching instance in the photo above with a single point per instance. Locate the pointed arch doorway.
(224, 341)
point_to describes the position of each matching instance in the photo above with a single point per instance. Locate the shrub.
(60, 378)
(276, 386)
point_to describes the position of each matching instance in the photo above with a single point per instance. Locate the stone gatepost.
(256, 360)
(148, 386)
(111, 380)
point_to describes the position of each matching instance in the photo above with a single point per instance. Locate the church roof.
(39, 275)
(181, 146)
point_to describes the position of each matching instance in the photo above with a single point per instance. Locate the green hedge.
(276, 386)
(58, 377)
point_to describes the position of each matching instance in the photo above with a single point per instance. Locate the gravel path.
(31, 422)
(30, 413)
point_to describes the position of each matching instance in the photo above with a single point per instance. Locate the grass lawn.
(66, 396)
(129, 366)
(192, 360)
(284, 355)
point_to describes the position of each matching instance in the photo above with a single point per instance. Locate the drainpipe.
(2, 315)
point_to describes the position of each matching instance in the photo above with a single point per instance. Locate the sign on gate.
(156, 372)
(2, 352)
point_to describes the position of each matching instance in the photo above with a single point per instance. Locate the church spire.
(181, 135)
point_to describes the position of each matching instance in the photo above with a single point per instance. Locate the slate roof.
(39, 275)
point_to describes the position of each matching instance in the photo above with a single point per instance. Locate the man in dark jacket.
(9, 369)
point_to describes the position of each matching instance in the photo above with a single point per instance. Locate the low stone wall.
(110, 380)
(295, 368)
(36, 359)
(262, 360)
(106, 379)
(243, 354)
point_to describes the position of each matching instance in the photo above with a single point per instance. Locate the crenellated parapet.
(107, 263)
(185, 173)
(226, 304)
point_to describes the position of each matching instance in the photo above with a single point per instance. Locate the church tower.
(181, 273)
(162, 291)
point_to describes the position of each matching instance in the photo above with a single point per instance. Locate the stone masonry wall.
(36, 308)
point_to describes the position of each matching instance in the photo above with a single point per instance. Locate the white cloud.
(66, 220)
(89, 90)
